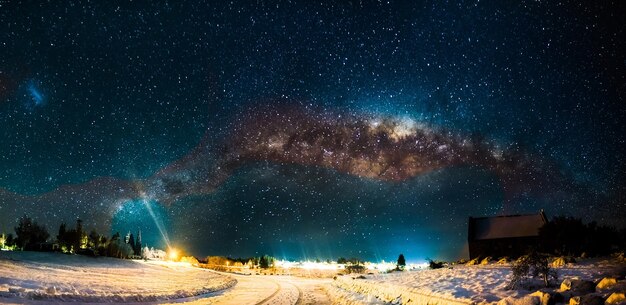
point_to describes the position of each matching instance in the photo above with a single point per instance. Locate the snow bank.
(393, 292)
(60, 277)
(478, 284)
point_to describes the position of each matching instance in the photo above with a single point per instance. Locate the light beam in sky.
(157, 222)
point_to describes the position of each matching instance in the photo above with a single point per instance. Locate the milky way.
(377, 147)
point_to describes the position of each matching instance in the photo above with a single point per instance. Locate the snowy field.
(59, 277)
(461, 284)
(49, 278)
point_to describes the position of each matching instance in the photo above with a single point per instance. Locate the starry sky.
(310, 129)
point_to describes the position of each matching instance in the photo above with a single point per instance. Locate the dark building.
(500, 236)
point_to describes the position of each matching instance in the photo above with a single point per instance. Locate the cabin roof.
(509, 226)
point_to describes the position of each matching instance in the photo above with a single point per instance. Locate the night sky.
(310, 129)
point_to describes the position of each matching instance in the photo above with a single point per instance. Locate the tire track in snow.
(299, 301)
(288, 293)
(266, 300)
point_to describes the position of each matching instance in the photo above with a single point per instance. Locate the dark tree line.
(352, 261)
(29, 234)
(32, 236)
(570, 236)
(71, 240)
(263, 262)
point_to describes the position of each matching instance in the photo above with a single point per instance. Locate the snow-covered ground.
(456, 285)
(59, 277)
(49, 278)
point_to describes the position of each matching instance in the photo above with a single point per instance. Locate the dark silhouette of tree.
(355, 261)
(263, 263)
(570, 236)
(138, 245)
(9, 241)
(29, 233)
(401, 262)
(131, 242)
(62, 237)
(563, 236)
(118, 247)
(77, 237)
(113, 246)
(266, 261)
(92, 239)
(342, 260)
(103, 243)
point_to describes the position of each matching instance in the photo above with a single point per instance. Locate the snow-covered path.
(263, 289)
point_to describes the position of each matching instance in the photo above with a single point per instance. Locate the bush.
(531, 266)
(355, 269)
(434, 264)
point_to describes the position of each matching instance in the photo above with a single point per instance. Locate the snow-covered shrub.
(531, 266)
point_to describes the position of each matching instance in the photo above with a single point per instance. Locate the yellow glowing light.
(172, 254)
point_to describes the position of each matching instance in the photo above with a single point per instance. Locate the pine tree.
(62, 236)
(131, 243)
(138, 245)
(92, 239)
(10, 241)
(77, 239)
(263, 262)
(29, 233)
(113, 246)
(401, 262)
(266, 261)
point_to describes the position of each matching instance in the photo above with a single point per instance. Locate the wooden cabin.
(500, 236)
